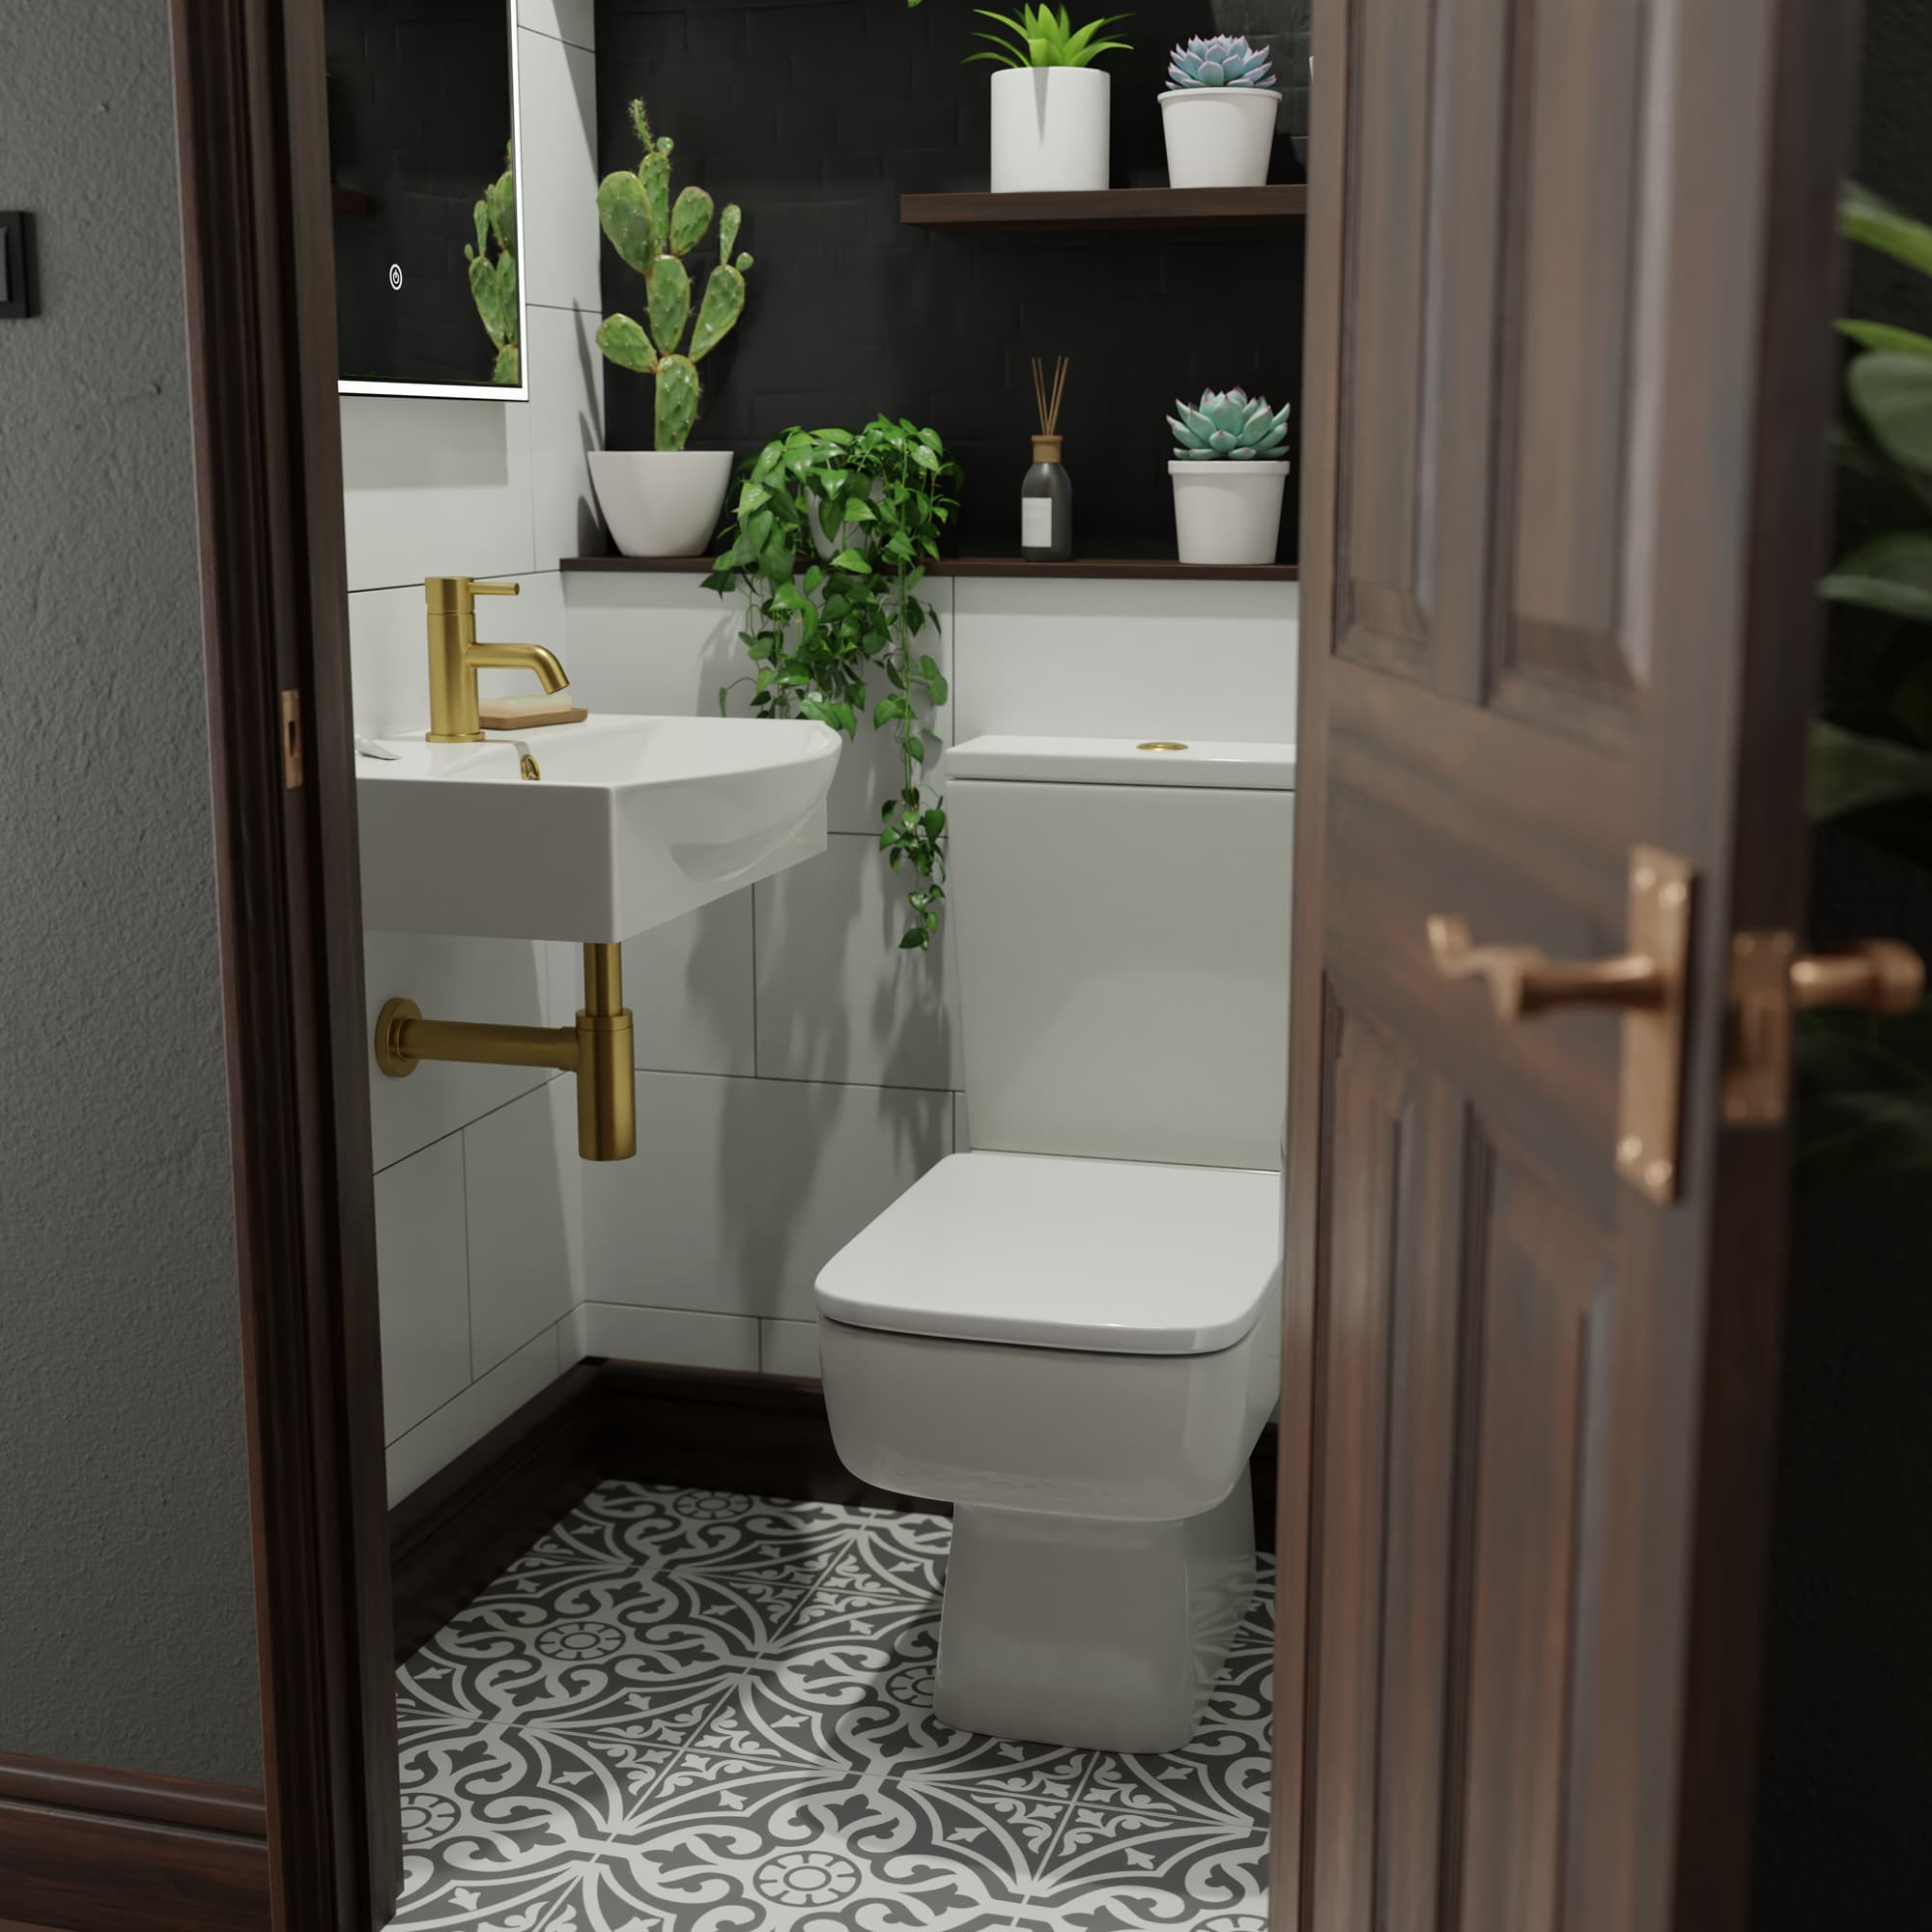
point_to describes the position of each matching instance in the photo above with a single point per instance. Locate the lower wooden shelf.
(1140, 568)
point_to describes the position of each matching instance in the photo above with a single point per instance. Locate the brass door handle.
(1771, 979)
(1523, 981)
(1646, 983)
(1876, 976)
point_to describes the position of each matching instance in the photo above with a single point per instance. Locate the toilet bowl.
(1071, 1333)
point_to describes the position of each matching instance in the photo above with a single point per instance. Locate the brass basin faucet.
(455, 657)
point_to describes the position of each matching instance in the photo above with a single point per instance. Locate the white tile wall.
(1142, 659)
(743, 1189)
(434, 487)
(566, 411)
(557, 176)
(680, 1336)
(469, 1417)
(659, 644)
(838, 999)
(572, 20)
(423, 1276)
(789, 1349)
(525, 1195)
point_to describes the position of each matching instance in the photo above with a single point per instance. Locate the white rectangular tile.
(434, 487)
(688, 988)
(788, 1349)
(572, 20)
(558, 175)
(659, 644)
(439, 1441)
(524, 1201)
(450, 980)
(422, 1285)
(566, 406)
(678, 1336)
(743, 1189)
(838, 997)
(1142, 659)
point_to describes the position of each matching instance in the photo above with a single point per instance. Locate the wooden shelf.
(1141, 568)
(1115, 208)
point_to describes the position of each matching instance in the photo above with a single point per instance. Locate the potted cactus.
(1230, 470)
(1052, 107)
(667, 502)
(1218, 113)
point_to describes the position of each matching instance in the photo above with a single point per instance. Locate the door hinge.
(291, 740)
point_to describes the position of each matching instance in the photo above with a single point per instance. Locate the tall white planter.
(661, 502)
(1228, 512)
(1052, 129)
(1219, 136)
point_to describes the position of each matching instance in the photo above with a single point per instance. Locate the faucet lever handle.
(494, 589)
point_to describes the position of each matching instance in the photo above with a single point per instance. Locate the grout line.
(462, 1392)
(793, 1080)
(389, 1165)
(416, 582)
(468, 1282)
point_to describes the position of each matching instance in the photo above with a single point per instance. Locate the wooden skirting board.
(84, 1849)
(706, 1428)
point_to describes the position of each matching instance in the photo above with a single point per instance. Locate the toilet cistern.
(455, 657)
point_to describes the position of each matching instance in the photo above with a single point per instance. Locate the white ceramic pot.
(662, 502)
(1228, 512)
(1219, 136)
(1052, 129)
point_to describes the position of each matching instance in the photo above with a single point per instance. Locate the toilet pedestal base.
(1101, 1633)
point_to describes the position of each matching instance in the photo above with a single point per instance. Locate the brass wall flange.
(597, 1050)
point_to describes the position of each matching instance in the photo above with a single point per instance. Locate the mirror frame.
(483, 392)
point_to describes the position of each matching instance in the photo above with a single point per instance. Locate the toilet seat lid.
(1110, 1256)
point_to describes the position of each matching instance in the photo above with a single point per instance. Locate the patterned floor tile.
(729, 1843)
(892, 1555)
(849, 1683)
(634, 1526)
(652, 1646)
(1114, 1869)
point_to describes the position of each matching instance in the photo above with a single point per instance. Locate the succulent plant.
(1225, 61)
(1046, 37)
(654, 235)
(493, 284)
(1228, 427)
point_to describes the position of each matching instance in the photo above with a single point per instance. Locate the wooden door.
(1564, 504)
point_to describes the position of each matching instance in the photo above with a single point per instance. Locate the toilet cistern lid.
(1045, 1251)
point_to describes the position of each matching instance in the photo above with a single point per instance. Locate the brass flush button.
(1160, 745)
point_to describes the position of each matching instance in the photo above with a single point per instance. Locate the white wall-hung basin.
(634, 821)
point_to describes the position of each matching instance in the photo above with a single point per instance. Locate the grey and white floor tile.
(685, 1710)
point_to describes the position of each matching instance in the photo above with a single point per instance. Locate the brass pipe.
(598, 1050)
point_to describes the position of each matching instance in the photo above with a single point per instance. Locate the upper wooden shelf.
(1091, 568)
(1115, 208)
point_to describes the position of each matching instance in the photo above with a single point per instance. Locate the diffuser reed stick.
(1047, 497)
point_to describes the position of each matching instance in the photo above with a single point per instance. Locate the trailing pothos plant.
(829, 542)
(1865, 1080)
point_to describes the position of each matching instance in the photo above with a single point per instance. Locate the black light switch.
(17, 265)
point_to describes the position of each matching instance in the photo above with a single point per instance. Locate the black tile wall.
(816, 114)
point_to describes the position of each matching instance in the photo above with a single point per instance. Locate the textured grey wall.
(126, 1627)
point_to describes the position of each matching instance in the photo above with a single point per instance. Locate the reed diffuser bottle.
(1046, 496)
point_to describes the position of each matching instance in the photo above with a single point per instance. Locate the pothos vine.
(830, 541)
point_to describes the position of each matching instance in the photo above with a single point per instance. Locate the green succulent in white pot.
(1219, 113)
(1230, 470)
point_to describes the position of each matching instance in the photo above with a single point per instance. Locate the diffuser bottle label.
(1036, 523)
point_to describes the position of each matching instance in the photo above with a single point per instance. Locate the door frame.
(256, 217)
(1813, 100)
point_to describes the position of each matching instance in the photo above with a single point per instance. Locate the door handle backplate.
(1646, 983)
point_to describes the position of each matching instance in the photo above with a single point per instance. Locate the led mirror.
(422, 122)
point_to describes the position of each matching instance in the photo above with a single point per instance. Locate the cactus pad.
(679, 389)
(625, 214)
(690, 220)
(724, 304)
(627, 345)
(668, 293)
(728, 224)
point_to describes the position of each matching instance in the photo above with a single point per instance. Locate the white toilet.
(1073, 1333)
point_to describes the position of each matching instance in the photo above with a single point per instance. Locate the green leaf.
(1883, 335)
(1850, 771)
(1865, 1094)
(1892, 572)
(850, 559)
(1864, 218)
(1893, 394)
